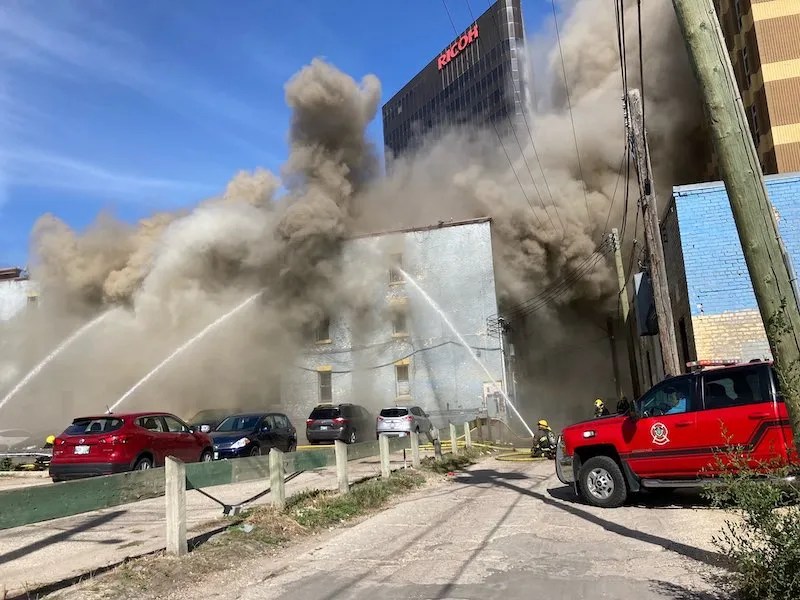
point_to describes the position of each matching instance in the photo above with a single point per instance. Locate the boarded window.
(325, 387)
(401, 372)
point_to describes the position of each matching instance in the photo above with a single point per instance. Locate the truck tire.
(601, 482)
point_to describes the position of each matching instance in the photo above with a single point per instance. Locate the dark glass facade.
(473, 81)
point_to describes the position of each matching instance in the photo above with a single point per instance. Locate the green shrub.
(762, 541)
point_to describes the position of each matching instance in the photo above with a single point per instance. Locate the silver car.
(401, 420)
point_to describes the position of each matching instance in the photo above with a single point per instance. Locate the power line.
(569, 106)
(641, 71)
(396, 360)
(518, 94)
(505, 151)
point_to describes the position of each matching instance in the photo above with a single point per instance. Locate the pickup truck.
(674, 433)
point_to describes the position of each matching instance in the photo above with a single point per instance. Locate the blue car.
(253, 434)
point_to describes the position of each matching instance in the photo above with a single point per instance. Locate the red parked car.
(674, 432)
(115, 443)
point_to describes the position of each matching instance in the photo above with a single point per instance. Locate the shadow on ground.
(662, 499)
(490, 476)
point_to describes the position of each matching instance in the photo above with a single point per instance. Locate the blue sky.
(131, 106)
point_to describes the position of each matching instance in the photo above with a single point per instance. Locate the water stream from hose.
(180, 349)
(464, 343)
(49, 358)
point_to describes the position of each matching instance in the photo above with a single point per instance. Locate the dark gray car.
(349, 423)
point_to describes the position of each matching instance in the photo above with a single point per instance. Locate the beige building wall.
(763, 39)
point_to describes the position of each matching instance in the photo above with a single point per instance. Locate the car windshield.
(101, 425)
(394, 412)
(204, 416)
(325, 413)
(239, 423)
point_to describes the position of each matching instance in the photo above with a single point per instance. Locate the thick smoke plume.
(170, 275)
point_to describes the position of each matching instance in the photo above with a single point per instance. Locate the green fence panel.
(362, 450)
(28, 505)
(309, 460)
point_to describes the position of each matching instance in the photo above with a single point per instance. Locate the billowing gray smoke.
(172, 274)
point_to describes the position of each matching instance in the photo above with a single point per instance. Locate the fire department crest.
(660, 434)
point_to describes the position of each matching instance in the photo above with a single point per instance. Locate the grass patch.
(451, 462)
(317, 509)
(256, 532)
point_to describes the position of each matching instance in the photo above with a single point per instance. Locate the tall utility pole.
(625, 310)
(752, 211)
(655, 249)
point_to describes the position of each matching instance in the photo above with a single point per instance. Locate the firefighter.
(48, 443)
(623, 406)
(600, 409)
(546, 444)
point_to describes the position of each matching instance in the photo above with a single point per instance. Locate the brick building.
(715, 310)
(763, 39)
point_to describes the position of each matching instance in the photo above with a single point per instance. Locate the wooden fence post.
(453, 439)
(415, 462)
(175, 494)
(340, 449)
(383, 445)
(276, 479)
(467, 435)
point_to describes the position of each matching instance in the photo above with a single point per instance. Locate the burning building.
(399, 349)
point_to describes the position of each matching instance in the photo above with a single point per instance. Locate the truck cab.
(675, 433)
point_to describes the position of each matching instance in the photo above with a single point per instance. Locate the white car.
(401, 420)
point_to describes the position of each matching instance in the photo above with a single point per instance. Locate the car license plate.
(81, 449)
(323, 427)
(216, 455)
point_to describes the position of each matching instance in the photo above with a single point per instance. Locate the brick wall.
(719, 295)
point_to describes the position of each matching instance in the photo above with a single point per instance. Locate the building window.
(746, 65)
(755, 124)
(322, 333)
(325, 386)
(32, 300)
(395, 274)
(399, 322)
(738, 7)
(401, 373)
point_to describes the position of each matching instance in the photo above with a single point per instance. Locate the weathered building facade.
(395, 348)
(715, 310)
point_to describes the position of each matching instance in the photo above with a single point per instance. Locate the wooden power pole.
(625, 310)
(655, 249)
(744, 182)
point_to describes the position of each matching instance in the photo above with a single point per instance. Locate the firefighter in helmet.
(545, 444)
(600, 409)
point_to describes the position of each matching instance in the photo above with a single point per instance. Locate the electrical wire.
(641, 74)
(396, 360)
(546, 291)
(503, 146)
(518, 95)
(569, 106)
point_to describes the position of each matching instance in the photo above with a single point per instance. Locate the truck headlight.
(240, 443)
(589, 434)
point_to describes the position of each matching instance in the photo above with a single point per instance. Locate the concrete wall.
(724, 314)
(454, 265)
(14, 297)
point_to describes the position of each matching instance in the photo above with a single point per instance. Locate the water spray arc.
(464, 343)
(59, 349)
(180, 349)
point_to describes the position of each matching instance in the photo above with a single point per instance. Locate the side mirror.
(266, 429)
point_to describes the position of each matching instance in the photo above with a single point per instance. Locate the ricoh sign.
(458, 46)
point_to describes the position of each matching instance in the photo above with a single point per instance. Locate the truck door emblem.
(660, 434)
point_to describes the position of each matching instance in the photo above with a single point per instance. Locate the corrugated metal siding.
(784, 100)
(778, 39)
(788, 157)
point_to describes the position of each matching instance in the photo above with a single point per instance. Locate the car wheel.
(57, 479)
(143, 464)
(353, 437)
(206, 456)
(256, 451)
(601, 482)
(292, 447)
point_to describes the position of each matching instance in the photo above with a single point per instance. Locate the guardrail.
(28, 505)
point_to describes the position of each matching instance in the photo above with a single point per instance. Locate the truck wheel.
(602, 483)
